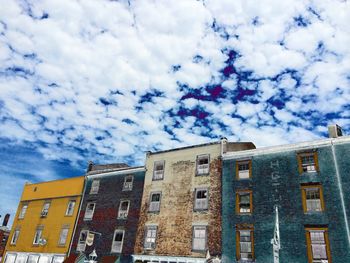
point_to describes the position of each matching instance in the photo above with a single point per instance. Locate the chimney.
(6, 220)
(335, 131)
(90, 164)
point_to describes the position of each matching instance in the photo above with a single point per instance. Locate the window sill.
(61, 245)
(127, 190)
(122, 218)
(154, 212)
(200, 210)
(199, 251)
(87, 219)
(35, 245)
(161, 179)
(206, 174)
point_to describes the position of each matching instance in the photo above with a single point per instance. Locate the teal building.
(308, 183)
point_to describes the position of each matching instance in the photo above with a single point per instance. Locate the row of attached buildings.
(213, 202)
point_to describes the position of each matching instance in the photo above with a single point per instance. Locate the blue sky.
(108, 80)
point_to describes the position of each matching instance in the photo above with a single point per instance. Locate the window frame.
(240, 162)
(92, 213)
(122, 242)
(65, 227)
(150, 201)
(238, 199)
(308, 231)
(127, 211)
(147, 228)
(199, 157)
(67, 210)
(196, 190)
(244, 227)
(22, 214)
(304, 188)
(126, 184)
(45, 211)
(95, 188)
(206, 238)
(300, 155)
(155, 178)
(37, 230)
(14, 242)
(81, 246)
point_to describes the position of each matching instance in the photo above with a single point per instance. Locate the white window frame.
(243, 241)
(35, 256)
(199, 227)
(15, 236)
(158, 174)
(95, 186)
(23, 211)
(127, 186)
(45, 209)
(70, 210)
(89, 215)
(63, 234)
(150, 245)
(115, 243)
(12, 256)
(154, 206)
(122, 214)
(82, 245)
(198, 203)
(57, 258)
(202, 169)
(244, 174)
(37, 236)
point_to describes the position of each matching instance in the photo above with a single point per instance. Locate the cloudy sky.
(108, 80)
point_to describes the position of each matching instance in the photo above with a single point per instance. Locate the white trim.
(27, 254)
(92, 213)
(113, 241)
(168, 258)
(119, 210)
(285, 148)
(124, 171)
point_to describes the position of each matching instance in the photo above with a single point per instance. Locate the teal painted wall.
(276, 181)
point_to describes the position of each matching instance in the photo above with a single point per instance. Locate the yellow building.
(45, 220)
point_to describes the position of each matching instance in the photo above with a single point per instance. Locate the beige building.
(180, 219)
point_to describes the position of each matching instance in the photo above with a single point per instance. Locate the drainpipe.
(77, 219)
(341, 192)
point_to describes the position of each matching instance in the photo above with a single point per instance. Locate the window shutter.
(300, 167)
(238, 245)
(316, 161)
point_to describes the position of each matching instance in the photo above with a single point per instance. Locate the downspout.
(341, 192)
(77, 218)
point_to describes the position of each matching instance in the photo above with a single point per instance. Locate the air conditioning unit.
(335, 131)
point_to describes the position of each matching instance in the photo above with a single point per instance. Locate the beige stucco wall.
(176, 216)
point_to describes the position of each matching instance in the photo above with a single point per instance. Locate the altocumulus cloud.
(108, 80)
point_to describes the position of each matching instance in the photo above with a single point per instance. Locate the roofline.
(123, 171)
(286, 147)
(52, 181)
(186, 147)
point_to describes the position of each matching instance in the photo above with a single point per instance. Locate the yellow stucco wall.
(59, 193)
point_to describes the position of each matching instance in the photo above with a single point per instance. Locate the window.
(201, 199)
(33, 258)
(58, 259)
(63, 236)
(23, 211)
(154, 205)
(44, 259)
(203, 164)
(128, 182)
(45, 209)
(318, 245)
(244, 243)
(82, 240)
(123, 209)
(89, 212)
(117, 243)
(95, 186)
(312, 198)
(307, 162)
(150, 237)
(37, 236)
(15, 237)
(10, 258)
(243, 169)
(158, 171)
(70, 207)
(199, 238)
(244, 202)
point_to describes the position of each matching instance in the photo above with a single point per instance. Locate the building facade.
(308, 183)
(44, 222)
(109, 213)
(180, 219)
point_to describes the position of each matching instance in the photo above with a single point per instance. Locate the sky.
(109, 80)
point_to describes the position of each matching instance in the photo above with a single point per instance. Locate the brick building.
(180, 219)
(109, 213)
(308, 182)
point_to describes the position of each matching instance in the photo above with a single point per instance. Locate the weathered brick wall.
(176, 216)
(106, 212)
(283, 189)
